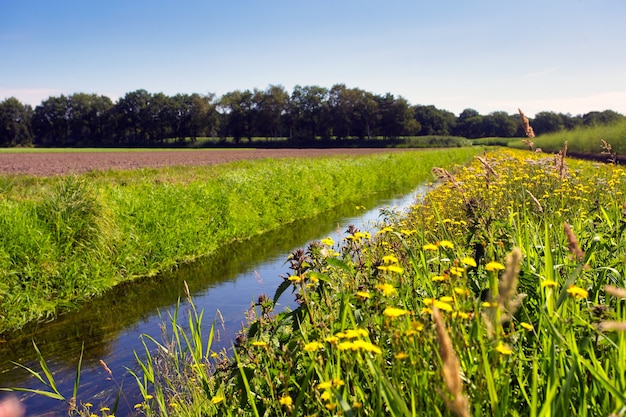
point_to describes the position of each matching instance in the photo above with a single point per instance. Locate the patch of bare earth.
(61, 163)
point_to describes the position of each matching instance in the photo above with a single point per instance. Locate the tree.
(434, 121)
(396, 117)
(499, 124)
(469, 124)
(15, 123)
(50, 122)
(235, 109)
(601, 118)
(270, 107)
(547, 122)
(309, 113)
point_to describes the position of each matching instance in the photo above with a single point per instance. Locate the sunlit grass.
(65, 239)
(500, 294)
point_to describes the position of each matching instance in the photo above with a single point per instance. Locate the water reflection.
(108, 328)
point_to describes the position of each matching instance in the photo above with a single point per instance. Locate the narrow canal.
(108, 329)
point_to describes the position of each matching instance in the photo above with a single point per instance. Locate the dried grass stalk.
(535, 200)
(528, 130)
(508, 298)
(615, 291)
(612, 326)
(458, 403)
(574, 249)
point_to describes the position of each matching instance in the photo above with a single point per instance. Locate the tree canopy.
(307, 114)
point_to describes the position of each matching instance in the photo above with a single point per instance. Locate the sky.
(566, 56)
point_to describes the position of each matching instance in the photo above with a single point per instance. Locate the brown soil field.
(61, 163)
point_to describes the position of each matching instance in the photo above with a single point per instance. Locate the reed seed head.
(459, 404)
(574, 249)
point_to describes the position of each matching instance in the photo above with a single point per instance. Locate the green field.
(65, 239)
(582, 141)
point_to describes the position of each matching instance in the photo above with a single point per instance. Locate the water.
(109, 327)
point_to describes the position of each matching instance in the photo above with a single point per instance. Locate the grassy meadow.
(502, 294)
(582, 141)
(65, 239)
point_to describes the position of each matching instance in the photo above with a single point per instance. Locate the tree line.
(306, 114)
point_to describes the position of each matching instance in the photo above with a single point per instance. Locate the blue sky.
(541, 55)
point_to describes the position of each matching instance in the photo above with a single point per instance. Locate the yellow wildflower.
(354, 333)
(577, 292)
(326, 395)
(388, 259)
(286, 400)
(527, 326)
(259, 343)
(331, 339)
(346, 346)
(460, 315)
(504, 349)
(401, 355)
(429, 246)
(395, 312)
(461, 291)
(443, 306)
(328, 241)
(446, 244)
(429, 301)
(446, 299)
(295, 278)
(395, 268)
(387, 289)
(312, 346)
(549, 283)
(439, 278)
(363, 294)
(494, 266)
(468, 261)
(324, 385)
(367, 346)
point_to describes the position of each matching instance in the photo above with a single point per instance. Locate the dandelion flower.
(461, 291)
(395, 312)
(313, 346)
(494, 266)
(527, 326)
(324, 385)
(328, 241)
(468, 261)
(429, 246)
(259, 343)
(331, 339)
(387, 289)
(441, 305)
(446, 244)
(363, 294)
(577, 292)
(401, 355)
(354, 333)
(395, 268)
(388, 259)
(367, 346)
(439, 278)
(286, 400)
(504, 349)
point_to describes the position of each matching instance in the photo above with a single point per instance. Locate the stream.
(108, 328)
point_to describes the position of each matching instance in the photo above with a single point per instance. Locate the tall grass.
(500, 294)
(585, 140)
(65, 239)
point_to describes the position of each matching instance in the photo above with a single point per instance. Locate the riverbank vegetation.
(502, 293)
(306, 116)
(68, 238)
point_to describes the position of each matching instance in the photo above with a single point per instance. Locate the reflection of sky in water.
(239, 287)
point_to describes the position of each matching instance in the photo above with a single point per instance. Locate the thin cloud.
(540, 73)
(32, 96)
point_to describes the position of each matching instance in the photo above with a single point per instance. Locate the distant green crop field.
(586, 140)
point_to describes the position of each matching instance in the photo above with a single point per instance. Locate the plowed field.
(61, 163)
